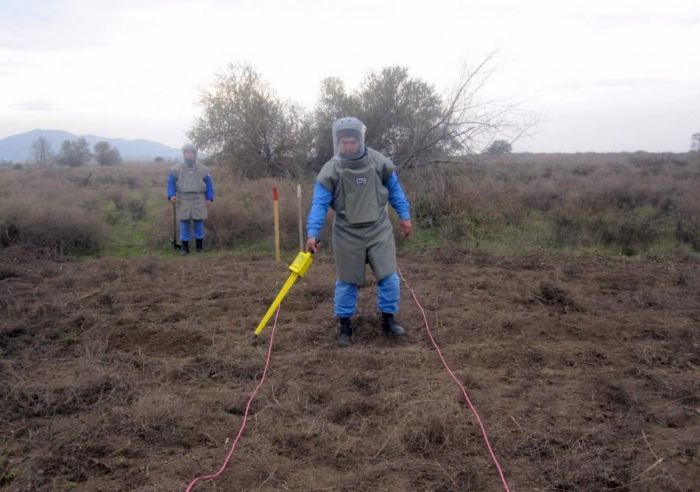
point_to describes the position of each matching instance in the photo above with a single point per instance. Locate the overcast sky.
(601, 75)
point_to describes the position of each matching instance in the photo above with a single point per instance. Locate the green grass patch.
(127, 239)
(422, 240)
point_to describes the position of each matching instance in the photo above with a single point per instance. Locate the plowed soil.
(134, 375)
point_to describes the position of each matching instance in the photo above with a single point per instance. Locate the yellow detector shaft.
(298, 268)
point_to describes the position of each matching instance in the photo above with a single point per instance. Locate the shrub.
(74, 153)
(47, 209)
(511, 204)
(244, 213)
(106, 155)
(499, 147)
(627, 203)
(61, 229)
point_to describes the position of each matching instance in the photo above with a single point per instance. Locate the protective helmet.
(348, 129)
(189, 148)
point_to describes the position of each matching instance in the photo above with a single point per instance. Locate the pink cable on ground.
(245, 416)
(459, 383)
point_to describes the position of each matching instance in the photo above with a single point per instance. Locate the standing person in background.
(357, 183)
(191, 189)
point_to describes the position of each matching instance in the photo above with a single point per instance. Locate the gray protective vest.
(190, 188)
(362, 231)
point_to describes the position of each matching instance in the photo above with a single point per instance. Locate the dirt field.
(134, 374)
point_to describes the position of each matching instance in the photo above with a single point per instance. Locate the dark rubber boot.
(185, 248)
(200, 245)
(391, 327)
(344, 332)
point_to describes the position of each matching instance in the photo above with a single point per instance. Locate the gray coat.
(190, 191)
(362, 231)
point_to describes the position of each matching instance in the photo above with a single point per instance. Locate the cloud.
(11, 67)
(689, 22)
(616, 15)
(43, 26)
(620, 83)
(36, 105)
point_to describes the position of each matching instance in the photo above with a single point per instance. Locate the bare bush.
(244, 213)
(517, 203)
(41, 151)
(129, 205)
(71, 209)
(60, 228)
(619, 203)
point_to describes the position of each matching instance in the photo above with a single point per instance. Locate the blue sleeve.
(319, 208)
(397, 198)
(171, 186)
(209, 193)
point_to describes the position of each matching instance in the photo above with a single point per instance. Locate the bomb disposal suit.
(191, 183)
(357, 184)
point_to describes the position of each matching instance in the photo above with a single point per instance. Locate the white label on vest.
(360, 181)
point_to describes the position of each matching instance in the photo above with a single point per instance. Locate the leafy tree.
(405, 116)
(408, 120)
(499, 147)
(334, 102)
(695, 142)
(248, 127)
(107, 155)
(41, 151)
(74, 153)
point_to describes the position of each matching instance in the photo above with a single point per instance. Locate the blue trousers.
(388, 295)
(185, 233)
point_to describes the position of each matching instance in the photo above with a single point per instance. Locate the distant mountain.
(18, 148)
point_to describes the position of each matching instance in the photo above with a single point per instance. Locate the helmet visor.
(348, 138)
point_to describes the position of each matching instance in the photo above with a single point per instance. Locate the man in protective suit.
(191, 189)
(357, 183)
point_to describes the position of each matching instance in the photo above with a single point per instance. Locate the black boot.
(200, 245)
(344, 332)
(391, 327)
(185, 248)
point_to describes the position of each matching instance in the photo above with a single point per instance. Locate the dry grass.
(133, 374)
(607, 203)
(612, 203)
